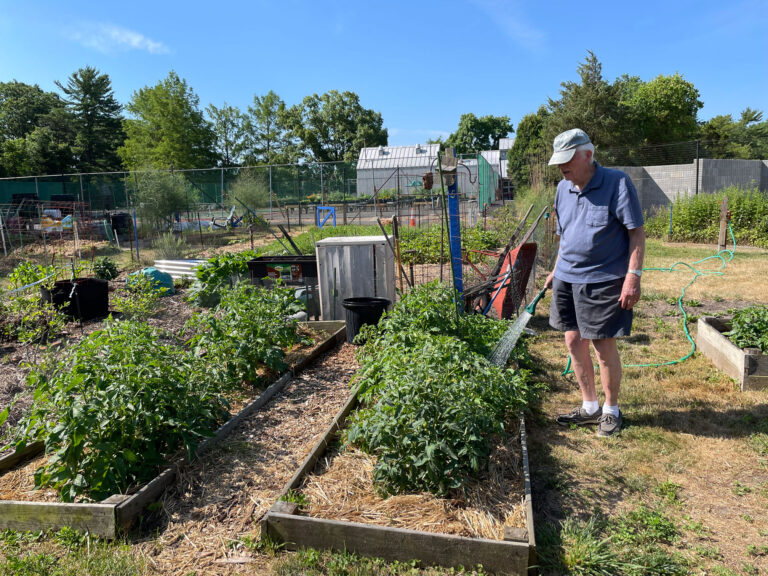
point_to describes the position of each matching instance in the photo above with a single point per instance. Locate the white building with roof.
(400, 168)
(394, 167)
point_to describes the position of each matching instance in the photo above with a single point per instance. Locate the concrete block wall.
(658, 186)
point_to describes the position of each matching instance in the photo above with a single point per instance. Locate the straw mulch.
(18, 484)
(217, 501)
(342, 489)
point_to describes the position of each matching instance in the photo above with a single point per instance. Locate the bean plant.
(433, 405)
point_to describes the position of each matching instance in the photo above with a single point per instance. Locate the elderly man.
(596, 279)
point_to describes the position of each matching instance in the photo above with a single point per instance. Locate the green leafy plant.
(697, 218)
(140, 299)
(295, 497)
(217, 274)
(105, 268)
(122, 401)
(248, 329)
(749, 328)
(433, 403)
(28, 273)
(24, 315)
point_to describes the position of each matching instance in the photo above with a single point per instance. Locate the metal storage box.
(353, 266)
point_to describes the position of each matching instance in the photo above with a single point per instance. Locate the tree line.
(83, 129)
(628, 115)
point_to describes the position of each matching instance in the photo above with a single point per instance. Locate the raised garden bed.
(285, 524)
(748, 366)
(108, 517)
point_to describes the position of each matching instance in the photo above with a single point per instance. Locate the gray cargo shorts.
(593, 310)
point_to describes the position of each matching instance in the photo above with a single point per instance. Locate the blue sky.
(421, 64)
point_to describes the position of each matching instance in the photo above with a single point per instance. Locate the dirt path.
(212, 513)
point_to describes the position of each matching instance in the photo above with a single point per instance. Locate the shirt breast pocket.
(597, 216)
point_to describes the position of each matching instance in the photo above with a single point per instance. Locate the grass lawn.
(684, 489)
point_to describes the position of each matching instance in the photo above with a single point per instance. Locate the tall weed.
(170, 247)
(697, 218)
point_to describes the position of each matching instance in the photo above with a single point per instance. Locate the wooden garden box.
(748, 366)
(106, 519)
(282, 524)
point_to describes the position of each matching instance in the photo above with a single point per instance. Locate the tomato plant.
(246, 330)
(121, 402)
(433, 404)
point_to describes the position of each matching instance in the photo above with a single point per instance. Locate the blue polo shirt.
(592, 225)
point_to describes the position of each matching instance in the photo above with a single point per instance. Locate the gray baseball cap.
(565, 145)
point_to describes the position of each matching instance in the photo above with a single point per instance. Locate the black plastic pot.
(362, 310)
(89, 299)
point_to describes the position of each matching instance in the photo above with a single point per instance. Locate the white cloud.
(508, 16)
(109, 38)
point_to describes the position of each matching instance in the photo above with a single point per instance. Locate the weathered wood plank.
(755, 362)
(398, 544)
(97, 519)
(724, 354)
(531, 536)
(128, 509)
(748, 367)
(11, 459)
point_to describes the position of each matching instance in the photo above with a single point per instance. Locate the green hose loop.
(721, 255)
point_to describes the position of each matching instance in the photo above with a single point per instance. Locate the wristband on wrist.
(637, 273)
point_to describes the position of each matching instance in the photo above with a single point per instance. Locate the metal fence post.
(697, 167)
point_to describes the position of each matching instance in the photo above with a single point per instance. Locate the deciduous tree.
(475, 134)
(267, 140)
(229, 129)
(664, 110)
(334, 127)
(21, 106)
(167, 128)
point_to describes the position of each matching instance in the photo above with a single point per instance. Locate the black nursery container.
(89, 299)
(362, 310)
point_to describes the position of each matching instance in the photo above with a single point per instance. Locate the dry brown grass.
(685, 423)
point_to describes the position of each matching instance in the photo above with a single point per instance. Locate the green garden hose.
(721, 255)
